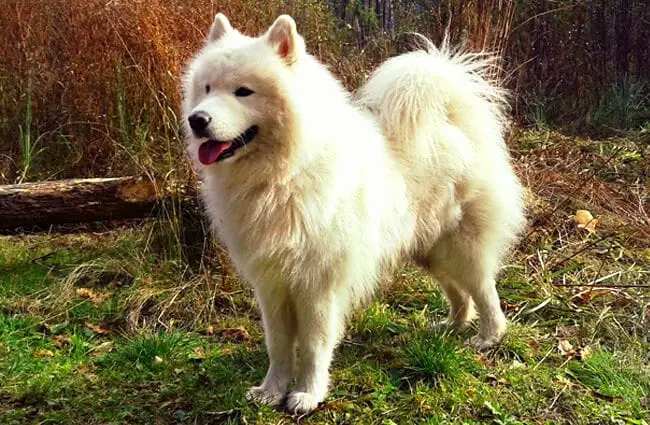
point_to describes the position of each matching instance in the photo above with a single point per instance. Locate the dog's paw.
(483, 343)
(301, 402)
(264, 396)
(490, 333)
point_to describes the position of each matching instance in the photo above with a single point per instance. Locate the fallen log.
(43, 204)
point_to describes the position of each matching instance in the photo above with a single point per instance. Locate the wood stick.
(49, 203)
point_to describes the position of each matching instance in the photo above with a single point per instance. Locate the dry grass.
(91, 88)
(607, 176)
(101, 79)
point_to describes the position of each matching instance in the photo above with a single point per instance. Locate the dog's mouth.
(213, 151)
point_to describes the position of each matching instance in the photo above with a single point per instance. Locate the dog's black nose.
(199, 123)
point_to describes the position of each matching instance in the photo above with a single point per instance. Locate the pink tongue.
(209, 151)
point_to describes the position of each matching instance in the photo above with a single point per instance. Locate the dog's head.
(236, 92)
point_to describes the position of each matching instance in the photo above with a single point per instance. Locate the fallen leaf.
(238, 334)
(97, 329)
(585, 220)
(157, 360)
(510, 306)
(566, 348)
(587, 295)
(198, 354)
(61, 341)
(104, 347)
(582, 217)
(42, 352)
(584, 352)
(92, 296)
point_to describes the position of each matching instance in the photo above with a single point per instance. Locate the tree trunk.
(623, 25)
(78, 200)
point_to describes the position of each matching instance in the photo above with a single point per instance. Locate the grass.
(615, 376)
(433, 357)
(99, 95)
(116, 327)
(130, 326)
(623, 105)
(26, 134)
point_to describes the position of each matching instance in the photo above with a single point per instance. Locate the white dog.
(316, 195)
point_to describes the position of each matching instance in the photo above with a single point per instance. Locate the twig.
(558, 395)
(583, 249)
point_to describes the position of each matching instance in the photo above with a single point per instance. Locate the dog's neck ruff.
(213, 151)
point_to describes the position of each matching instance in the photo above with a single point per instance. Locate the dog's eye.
(207, 88)
(243, 92)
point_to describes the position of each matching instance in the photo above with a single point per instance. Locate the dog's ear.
(220, 27)
(284, 38)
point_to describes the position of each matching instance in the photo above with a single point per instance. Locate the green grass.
(26, 132)
(623, 106)
(434, 357)
(618, 377)
(393, 367)
(116, 328)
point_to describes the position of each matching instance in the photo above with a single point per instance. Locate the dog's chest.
(275, 235)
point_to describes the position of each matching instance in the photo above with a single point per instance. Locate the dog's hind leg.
(493, 321)
(278, 316)
(321, 319)
(461, 306)
(472, 267)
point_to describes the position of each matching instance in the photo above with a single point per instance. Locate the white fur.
(334, 192)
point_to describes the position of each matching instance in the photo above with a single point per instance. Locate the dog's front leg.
(321, 319)
(279, 321)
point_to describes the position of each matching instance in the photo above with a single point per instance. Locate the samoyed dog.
(318, 195)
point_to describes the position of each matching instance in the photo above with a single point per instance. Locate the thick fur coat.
(318, 195)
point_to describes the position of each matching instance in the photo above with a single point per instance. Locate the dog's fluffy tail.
(415, 94)
(444, 118)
